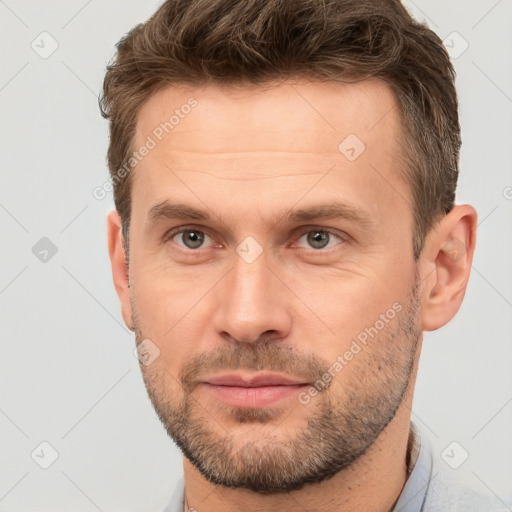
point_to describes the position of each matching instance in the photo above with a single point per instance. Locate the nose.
(253, 303)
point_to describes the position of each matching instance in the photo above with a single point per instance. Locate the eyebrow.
(332, 210)
(168, 210)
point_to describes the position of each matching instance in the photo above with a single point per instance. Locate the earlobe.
(448, 254)
(119, 266)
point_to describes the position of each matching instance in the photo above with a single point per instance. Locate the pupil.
(318, 239)
(193, 239)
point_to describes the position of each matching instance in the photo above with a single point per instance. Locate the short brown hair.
(197, 42)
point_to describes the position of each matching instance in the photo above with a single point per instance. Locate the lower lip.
(253, 397)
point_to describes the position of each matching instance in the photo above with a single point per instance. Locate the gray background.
(68, 375)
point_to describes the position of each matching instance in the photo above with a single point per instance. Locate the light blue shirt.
(431, 487)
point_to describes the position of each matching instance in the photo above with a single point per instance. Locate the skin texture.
(246, 157)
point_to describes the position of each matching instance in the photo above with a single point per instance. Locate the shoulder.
(433, 486)
(449, 493)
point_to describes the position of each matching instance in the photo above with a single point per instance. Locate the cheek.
(169, 310)
(340, 305)
(164, 294)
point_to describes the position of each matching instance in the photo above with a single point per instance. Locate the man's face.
(261, 297)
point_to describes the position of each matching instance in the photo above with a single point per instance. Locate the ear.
(119, 267)
(446, 261)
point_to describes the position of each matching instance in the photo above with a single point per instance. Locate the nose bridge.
(250, 300)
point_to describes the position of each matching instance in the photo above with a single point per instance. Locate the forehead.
(251, 146)
(295, 115)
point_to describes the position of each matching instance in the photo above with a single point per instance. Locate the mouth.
(253, 390)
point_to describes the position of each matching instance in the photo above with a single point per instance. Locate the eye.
(189, 238)
(321, 238)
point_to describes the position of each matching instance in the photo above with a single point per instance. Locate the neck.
(371, 484)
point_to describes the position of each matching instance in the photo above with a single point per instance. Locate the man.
(285, 230)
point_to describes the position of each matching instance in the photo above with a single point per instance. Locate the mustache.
(256, 357)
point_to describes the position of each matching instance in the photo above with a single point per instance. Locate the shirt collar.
(419, 462)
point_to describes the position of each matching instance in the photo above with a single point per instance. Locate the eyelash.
(342, 237)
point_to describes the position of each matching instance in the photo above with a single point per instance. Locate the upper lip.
(252, 381)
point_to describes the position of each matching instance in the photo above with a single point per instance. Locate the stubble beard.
(345, 419)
